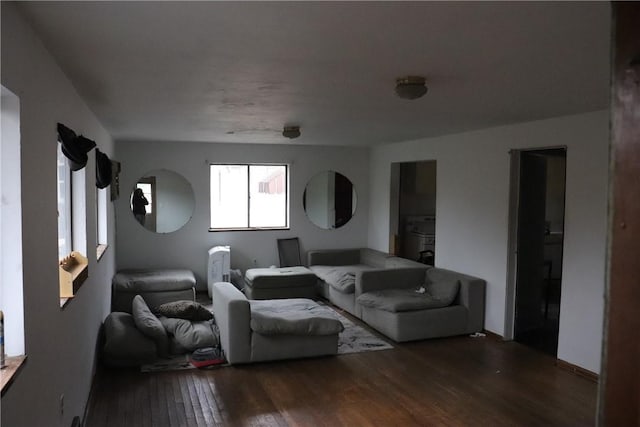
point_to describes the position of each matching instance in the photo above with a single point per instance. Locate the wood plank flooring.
(459, 381)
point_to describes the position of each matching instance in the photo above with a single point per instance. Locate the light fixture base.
(411, 87)
(291, 132)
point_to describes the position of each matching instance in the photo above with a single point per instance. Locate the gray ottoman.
(285, 282)
(155, 286)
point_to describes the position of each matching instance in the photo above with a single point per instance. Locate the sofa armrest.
(388, 278)
(233, 316)
(471, 295)
(333, 257)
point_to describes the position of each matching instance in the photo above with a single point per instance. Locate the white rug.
(354, 339)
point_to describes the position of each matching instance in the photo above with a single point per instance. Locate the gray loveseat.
(341, 272)
(255, 331)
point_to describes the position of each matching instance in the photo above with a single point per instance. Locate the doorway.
(536, 242)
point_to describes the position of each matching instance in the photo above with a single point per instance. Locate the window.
(249, 197)
(11, 265)
(72, 227)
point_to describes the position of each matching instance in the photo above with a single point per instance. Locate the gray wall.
(60, 343)
(187, 247)
(472, 215)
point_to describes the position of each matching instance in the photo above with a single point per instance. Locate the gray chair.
(289, 252)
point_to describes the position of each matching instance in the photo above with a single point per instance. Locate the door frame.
(512, 239)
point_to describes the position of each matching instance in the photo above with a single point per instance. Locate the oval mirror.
(162, 201)
(329, 200)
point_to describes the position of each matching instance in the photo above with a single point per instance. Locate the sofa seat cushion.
(295, 316)
(341, 278)
(400, 300)
(188, 335)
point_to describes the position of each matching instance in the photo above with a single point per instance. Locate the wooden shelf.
(9, 372)
(73, 272)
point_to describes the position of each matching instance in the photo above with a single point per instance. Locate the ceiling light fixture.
(291, 132)
(411, 87)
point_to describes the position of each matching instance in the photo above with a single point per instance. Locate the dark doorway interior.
(540, 241)
(417, 211)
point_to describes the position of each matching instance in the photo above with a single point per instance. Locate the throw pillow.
(189, 310)
(192, 335)
(150, 325)
(444, 290)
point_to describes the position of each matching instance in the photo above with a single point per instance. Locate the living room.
(472, 210)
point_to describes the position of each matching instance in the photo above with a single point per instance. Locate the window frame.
(286, 206)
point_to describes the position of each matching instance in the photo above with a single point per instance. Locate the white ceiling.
(240, 71)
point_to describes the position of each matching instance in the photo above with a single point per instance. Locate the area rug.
(354, 339)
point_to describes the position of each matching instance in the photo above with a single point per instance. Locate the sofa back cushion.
(397, 262)
(445, 290)
(373, 257)
(149, 325)
(333, 257)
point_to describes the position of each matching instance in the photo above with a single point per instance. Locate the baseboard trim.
(592, 376)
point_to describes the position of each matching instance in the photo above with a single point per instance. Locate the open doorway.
(413, 195)
(537, 237)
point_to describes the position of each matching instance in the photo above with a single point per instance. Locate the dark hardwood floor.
(454, 381)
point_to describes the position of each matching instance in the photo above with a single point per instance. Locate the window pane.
(64, 205)
(229, 198)
(101, 210)
(148, 194)
(268, 196)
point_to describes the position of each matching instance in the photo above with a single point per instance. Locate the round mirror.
(162, 201)
(329, 200)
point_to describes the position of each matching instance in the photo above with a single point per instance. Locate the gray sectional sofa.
(403, 299)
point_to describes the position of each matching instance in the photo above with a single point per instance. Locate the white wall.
(60, 343)
(472, 215)
(187, 247)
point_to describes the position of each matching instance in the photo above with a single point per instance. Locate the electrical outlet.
(62, 404)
